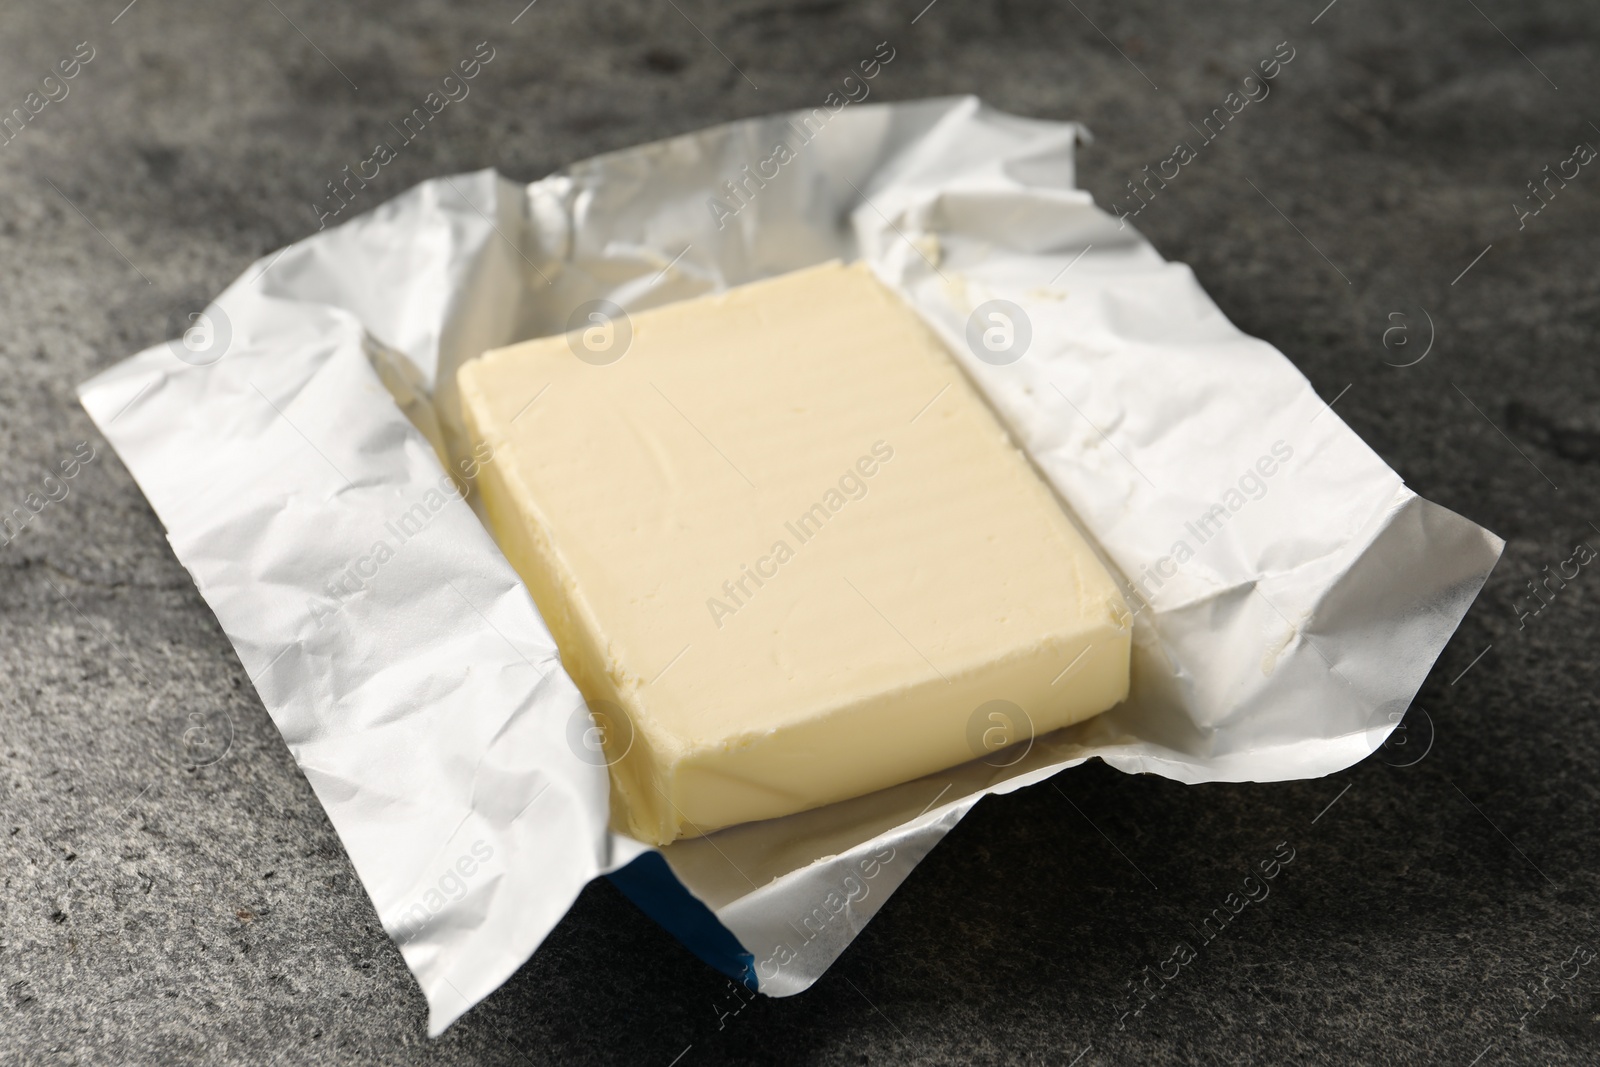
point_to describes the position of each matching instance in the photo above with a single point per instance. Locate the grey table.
(1440, 911)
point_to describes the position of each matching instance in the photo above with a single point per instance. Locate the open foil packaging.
(1289, 593)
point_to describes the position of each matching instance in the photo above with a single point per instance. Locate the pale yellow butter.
(785, 537)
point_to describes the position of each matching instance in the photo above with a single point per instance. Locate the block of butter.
(788, 554)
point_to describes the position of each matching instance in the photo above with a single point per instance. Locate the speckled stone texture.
(153, 914)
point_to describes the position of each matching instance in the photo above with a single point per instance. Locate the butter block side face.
(792, 545)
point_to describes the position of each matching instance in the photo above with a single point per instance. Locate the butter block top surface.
(784, 506)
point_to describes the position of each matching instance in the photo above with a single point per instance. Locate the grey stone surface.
(154, 914)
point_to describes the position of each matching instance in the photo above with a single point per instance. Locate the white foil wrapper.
(1284, 620)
